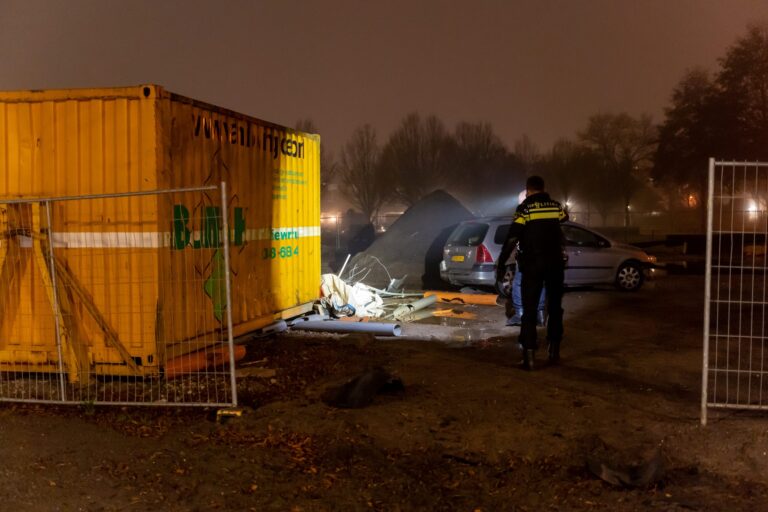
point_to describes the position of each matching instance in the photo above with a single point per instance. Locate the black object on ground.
(360, 391)
(644, 474)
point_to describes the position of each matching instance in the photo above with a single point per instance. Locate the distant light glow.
(751, 206)
(521, 197)
(330, 218)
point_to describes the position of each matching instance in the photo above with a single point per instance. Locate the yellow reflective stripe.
(545, 215)
(562, 215)
(519, 219)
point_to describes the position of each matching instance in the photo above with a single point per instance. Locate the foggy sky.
(538, 67)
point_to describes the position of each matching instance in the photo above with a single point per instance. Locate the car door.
(589, 257)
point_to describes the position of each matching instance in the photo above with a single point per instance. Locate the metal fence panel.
(735, 356)
(117, 299)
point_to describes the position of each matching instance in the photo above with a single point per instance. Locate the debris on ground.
(337, 326)
(253, 371)
(407, 310)
(454, 313)
(360, 391)
(620, 469)
(340, 299)
(483, 299)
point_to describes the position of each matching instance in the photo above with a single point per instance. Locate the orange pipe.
(483, 299)
(201, 360)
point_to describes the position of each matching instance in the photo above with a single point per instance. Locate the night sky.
(529, 67)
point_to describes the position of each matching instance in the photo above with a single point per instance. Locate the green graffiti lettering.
(181, 234)
(239, 227)
(208, 234)
(211, 227)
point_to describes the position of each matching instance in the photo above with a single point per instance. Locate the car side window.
(581, 237)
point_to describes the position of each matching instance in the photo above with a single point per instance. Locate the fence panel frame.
(42, 237)
(712, 372)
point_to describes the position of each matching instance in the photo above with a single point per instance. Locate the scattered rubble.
(340, 299)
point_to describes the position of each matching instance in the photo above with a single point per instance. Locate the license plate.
(457, 257)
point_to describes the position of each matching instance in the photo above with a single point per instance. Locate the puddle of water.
(468, 336)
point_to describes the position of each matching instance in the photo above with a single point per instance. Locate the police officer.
(536, 225)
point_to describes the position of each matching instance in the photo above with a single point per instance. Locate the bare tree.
(486, 175)
(417, 157)
(626, 146)
(328, 165)
(563, 167)
(363, 179)
(527, 152)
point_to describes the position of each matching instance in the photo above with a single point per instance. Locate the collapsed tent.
(412, 246)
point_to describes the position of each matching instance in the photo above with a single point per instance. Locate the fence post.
(56, 311)
(707, 292)
(228, 289)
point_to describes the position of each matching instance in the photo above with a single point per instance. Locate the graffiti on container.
(216, 287)
(207, 234)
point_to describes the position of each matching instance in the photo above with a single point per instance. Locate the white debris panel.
(341, 299)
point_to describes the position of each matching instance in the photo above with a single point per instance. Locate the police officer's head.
(534, 184)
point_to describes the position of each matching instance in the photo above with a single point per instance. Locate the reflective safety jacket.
(536, 225)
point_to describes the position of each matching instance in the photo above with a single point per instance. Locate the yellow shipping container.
(142, 266)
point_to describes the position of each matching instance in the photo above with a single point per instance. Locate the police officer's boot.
(529, 356)
(554, 351)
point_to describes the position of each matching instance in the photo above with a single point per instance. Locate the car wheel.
(504, 285)
(629, 277)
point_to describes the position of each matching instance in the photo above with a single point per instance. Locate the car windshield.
(471, 234)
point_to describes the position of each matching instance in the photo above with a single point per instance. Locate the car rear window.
(471, 234)
(501, 234)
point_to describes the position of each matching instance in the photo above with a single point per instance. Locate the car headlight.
(651, 259)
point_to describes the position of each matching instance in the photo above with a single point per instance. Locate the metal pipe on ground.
(407, 309)
(377, 329)
(417, 315)
(482, 299)
(307, 318)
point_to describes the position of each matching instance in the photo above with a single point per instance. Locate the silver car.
(471, 253)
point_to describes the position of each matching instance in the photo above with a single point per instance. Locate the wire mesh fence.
(735, 361)
(117, 299)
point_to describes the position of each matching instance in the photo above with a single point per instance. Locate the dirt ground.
(470, 432)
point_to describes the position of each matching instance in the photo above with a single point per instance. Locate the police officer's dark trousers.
(539, 272)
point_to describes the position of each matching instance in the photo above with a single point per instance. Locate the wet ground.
(471, 431)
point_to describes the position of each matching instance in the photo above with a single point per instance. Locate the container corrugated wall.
(93, 141)
(273, 177)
